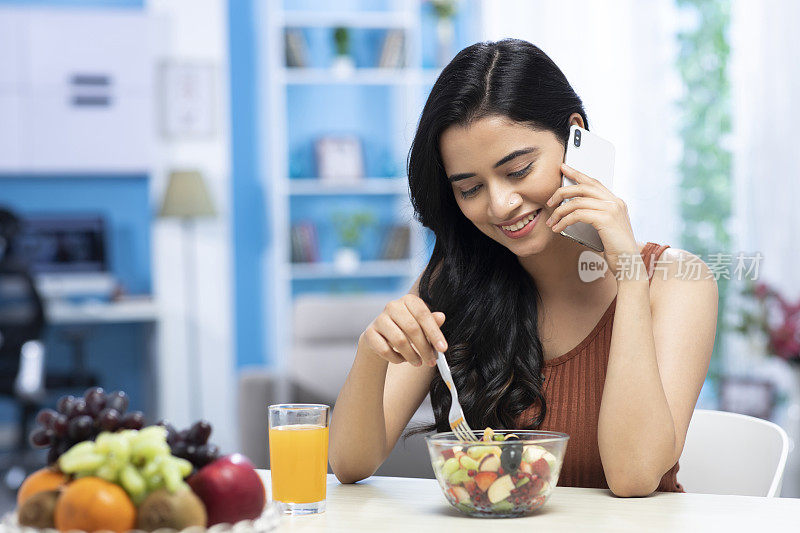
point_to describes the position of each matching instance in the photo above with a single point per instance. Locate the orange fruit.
(93, 504)
(40, 481)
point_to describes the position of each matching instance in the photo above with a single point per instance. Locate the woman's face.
(503, 172)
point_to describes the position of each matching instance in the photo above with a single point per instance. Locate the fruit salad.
(503, 474)
(107, 470)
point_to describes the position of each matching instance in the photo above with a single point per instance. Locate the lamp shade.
(187, 196)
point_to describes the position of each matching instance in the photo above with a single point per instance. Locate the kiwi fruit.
(39, 509)
(172, 510)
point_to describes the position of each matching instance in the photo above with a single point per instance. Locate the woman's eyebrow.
(503, 161)
(516, 153)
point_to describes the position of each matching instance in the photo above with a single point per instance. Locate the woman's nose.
(505, 202)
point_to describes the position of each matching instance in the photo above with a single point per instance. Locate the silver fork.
(456, 417)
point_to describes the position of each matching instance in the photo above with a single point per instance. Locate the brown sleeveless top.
(573, 388)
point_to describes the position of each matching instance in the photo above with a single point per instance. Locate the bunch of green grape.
(138, 460)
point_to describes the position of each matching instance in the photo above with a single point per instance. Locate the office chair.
(22, 355)
(21, 326)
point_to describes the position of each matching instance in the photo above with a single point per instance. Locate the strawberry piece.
(541, 468)
(536, 484)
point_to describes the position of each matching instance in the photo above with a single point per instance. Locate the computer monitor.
(62, 244)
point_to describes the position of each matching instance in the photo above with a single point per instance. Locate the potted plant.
(770, 327)
(445, 29)
(350, 227)
(342, 64)
(771, 317)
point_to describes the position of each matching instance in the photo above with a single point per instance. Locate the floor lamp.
(188, 199)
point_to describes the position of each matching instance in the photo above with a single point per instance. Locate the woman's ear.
(576, 118)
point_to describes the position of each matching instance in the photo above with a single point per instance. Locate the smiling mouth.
(522, 223)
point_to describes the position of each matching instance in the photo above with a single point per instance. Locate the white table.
(415, 505)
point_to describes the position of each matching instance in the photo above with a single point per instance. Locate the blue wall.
(116, 352)
(123, 200)
(249, 213)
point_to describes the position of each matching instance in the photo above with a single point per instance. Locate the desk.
(417, 505)
(143, 311)
(61, 312)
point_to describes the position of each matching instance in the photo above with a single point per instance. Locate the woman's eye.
(520, 173)
(470, 192)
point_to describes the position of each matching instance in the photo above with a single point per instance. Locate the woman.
(617, 363)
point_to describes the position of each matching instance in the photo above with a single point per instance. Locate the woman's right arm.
(393, 367)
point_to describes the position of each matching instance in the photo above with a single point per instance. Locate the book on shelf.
(296, 49)
(305, 248)
(396, 243)
(392, 55)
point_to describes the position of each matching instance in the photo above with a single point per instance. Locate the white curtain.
(619, 57)
(765, 78)
(765, 83)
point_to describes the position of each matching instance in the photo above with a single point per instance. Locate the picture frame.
(340, 159)
(187, 98)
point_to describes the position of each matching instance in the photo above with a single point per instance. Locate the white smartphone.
(594, 156)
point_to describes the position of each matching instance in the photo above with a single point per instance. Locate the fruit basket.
(268, 521)
(107, 470)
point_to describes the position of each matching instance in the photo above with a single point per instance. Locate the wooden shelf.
(371, 186)
(367, 269)
(359, 76)
(361, 19)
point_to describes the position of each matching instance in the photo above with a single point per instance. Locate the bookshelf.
(308, 97)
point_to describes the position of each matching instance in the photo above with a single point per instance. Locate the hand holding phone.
(594, 156)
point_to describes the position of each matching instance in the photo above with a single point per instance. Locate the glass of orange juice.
(298, 456)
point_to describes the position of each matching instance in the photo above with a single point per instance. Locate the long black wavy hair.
(490, 302)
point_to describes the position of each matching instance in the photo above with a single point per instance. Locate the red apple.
(230, 489)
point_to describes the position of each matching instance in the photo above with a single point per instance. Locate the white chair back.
(729, 453)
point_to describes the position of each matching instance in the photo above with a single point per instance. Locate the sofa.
(324, 338)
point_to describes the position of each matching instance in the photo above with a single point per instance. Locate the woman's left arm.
(661, 343)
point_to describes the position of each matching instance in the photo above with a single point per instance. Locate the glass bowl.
(498, 478)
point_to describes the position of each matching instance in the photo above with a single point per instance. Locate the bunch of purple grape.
(192, 443)
(82, 418)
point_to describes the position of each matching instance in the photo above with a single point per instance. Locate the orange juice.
(298, 459)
